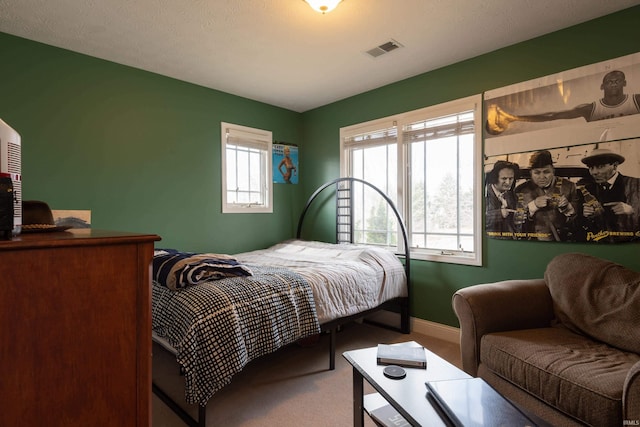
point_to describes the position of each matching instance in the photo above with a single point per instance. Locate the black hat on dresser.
(38, 218)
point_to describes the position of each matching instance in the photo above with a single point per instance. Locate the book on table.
(404, 354)
(473, 402)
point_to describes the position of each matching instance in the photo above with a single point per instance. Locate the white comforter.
(345, 279)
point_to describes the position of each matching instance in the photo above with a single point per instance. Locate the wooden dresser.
(75, 329)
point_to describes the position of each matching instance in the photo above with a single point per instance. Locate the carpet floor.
(291, 387)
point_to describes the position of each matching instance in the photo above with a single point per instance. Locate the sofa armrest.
(496, 307)
(631, 396)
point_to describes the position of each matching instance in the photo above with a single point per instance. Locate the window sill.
(246, 209)
(447, 257)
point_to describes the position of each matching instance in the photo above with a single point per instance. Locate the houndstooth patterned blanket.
(219, 326)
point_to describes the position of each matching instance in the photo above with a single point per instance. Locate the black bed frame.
(344, 234)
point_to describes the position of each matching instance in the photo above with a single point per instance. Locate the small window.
(246, 170)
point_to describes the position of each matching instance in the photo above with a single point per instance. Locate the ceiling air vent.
(384, 48)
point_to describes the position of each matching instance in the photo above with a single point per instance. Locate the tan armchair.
(507, 338)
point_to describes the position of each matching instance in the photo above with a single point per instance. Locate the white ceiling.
(281, 51)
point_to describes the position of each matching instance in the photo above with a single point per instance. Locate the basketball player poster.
(553, 144)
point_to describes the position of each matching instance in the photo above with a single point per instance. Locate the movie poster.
(562, 156)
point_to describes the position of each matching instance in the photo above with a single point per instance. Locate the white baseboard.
(420, 326)
(436, 330)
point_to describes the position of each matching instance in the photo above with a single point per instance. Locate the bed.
(257, 302)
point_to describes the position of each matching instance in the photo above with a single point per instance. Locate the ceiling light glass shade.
(323, 6)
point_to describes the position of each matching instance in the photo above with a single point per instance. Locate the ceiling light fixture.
(323, 6)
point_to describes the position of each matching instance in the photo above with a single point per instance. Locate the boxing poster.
(562, 156)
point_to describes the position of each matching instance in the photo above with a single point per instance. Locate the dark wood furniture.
(75, 322)
(407, 396)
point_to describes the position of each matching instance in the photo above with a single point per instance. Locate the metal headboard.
(344, 213)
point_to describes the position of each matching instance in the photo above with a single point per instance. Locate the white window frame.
(258, 141)
(473, 103)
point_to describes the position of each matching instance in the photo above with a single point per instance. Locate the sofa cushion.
(596, 297)
(572, 373)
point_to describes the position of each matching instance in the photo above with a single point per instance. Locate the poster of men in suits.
(562, 156)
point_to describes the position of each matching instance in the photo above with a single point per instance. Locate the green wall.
(433, 283)
(142, 151)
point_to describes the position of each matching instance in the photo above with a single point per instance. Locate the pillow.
(177, 270)
(596, 297)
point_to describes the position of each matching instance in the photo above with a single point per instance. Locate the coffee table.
(407, 396)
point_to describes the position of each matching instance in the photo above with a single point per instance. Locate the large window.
(246, 169)
(429, 162)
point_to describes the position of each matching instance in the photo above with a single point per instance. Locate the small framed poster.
(285, 163)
